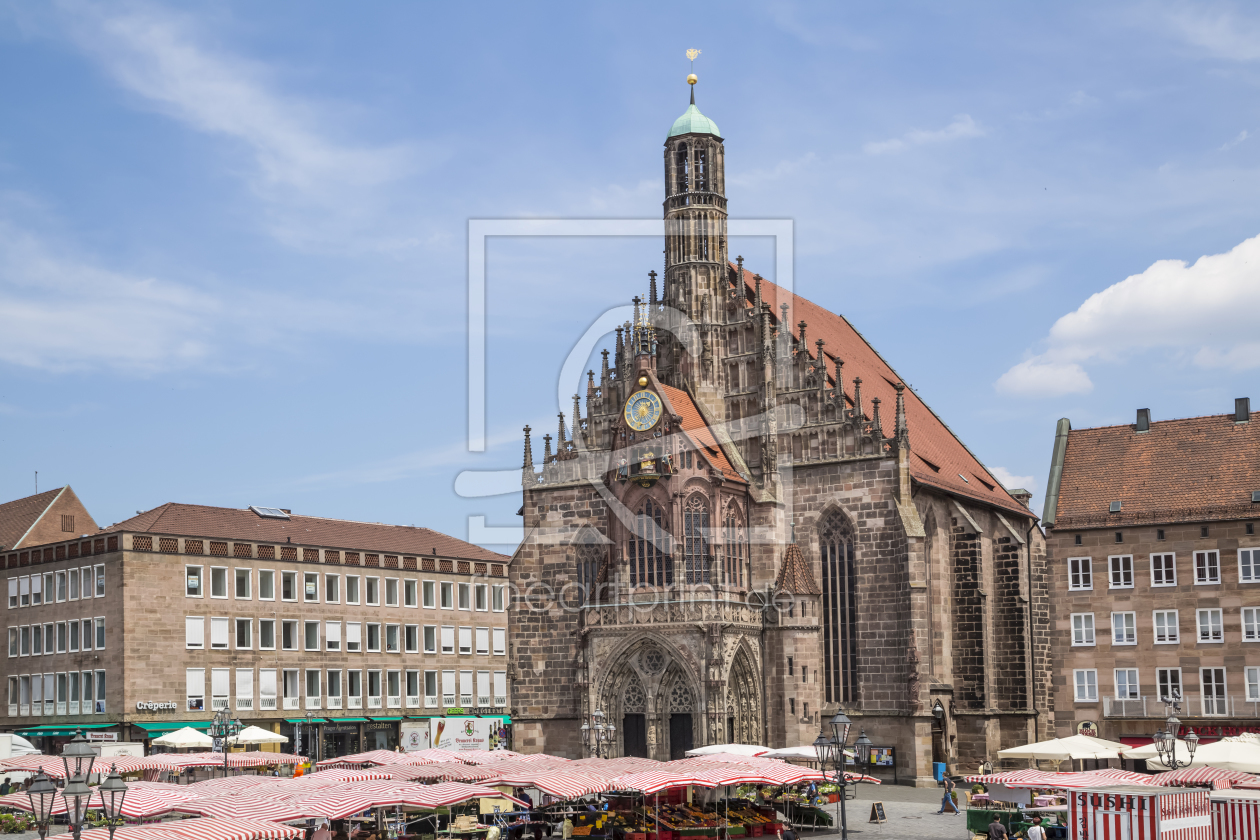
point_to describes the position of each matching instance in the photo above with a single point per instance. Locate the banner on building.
(458, 734)
(416, 736)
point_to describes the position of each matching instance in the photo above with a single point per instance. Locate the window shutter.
(448, 682)
(267, 682)
(483, 640)
(500, 683)
(500, 641)
(219, 681)
(245, 682)
(465, 682)
(196, 682)
(13, 590)
(483, 684)
(194, 632)
(218, 632)
(333, 631)
(354, 632)
(448, 637)
(36, 584)
(465, 638)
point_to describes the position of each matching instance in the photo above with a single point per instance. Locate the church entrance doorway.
(679, 736)
(634, 736)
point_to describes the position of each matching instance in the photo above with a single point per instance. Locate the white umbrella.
(1151, 754)
(1239, 752)
(257, 735)
(735, 749)
(808, 752)
(185, 738)
(1064, 749)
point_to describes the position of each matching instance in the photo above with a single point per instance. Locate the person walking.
(948, 798)
(997, 831)
(1035, 831)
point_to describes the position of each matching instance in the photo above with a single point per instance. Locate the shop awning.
(348, 720)
(154, 729)
(58, 730)
(386, 719)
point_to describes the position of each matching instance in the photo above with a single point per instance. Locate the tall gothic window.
(733, 540)
(696, 540)
(682, 168)
(589, 555)
(701, 169)
(835, 538)
(649, 564)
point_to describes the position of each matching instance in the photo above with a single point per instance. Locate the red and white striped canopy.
(446, 771)
(50, 765)
(1217, 778)
(1063, 781)
(200, 829)
(241, 807)
(374, 757)
(437, 755)
(651, 781)
(562, 784)
(345, 775)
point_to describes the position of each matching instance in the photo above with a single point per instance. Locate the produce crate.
(756, 829)
(736, 831)
(636, 835)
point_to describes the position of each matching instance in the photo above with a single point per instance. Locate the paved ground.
(911, 815)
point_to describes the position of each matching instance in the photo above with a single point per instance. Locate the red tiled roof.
(1194, 468)
(699, 432)
(795, 576)
(937, 457)
(244, 524)
(17, 516)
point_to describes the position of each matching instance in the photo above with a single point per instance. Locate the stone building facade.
(1155, 574)
(752, 522)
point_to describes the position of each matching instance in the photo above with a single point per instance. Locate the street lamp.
(77, 756)
(221, 729)
(1166, 738)
(831, 751)
(113, 790)
(43, 794)
(77, 795)
(597, 736)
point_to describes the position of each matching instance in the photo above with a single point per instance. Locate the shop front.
(381, 733)
(148, 730)
(343, 736)
(50, 738)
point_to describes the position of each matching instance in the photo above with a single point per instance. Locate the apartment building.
(1156, 573)
(162, 620)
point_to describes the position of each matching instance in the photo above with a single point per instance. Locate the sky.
(234, 236)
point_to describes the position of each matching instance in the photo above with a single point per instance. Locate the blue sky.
(233, 236)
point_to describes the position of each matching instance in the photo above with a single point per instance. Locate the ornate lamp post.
(113, 790)
(43, 795)
(597, 736)
(222, 728)
(1166, 739)
(77, 758)
(831, 751)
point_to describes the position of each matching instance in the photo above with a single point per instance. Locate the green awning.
(386, 719)
(154, 729)
(59, 730)
(348, 720)
(504, 718)
(303, 720)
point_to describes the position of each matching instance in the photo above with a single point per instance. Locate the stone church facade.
(750, 522)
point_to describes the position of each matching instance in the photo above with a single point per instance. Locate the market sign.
(101, 736)
(1087, 727)
(151, 706)
(462, 734)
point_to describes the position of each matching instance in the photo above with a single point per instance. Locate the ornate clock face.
(643, 409)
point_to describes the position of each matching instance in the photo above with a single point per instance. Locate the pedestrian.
(789, 834)
(1035, 831)
(7, 787)
(948, 798)
(997, 831)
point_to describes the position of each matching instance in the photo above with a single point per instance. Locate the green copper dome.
(694, 122)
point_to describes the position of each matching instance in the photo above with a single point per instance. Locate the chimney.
(1242, 409)
(1143, 420)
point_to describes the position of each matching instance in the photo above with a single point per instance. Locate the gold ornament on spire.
(691, 56)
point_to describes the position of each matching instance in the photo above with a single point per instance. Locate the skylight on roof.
(269, 512)
(964, 478)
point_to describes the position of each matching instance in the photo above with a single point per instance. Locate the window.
(1203, 530)
(448, 639)
(332, 635)
(100, 581)
(1210, 629)
(72, 583)
(1119, 536)
(1121, 571)
(46, 588)
(1163, 570)
(314, 689)
(409, 593)
(352, 589)
(24, 587)
(245, 688)
(483, 688)
(391, 592)
(465, 688)
(26, 640)
(194, 632)
(62, 637)
(74, 637)
(1124, 628)
(500, 688)
(266, 634)
(481, 597)
(1082, 632)
(288, 635)
(354, 637)
(465, 640)
(411, 638)
(13, 593)
(219, 686)
(430, 638)
(354, 688)
(193, 582)
(61, 587)
(1086, 685)
(1212, 687)
(13, 641)
(244, 577)
(1080, 573)
(288, 586)
(430, 689)
(373, 592)
(483, 641)
(393, 688)
(267, 688)
(1251, 624)
(373, 637)
(1207, 567)
(465, 596)
(67, 523)
(244, 634)
(332, 589)
(37, 639)
(1248, 566)
(1127, 684)
(290, 687)
(218, 582)
(88, 633)
(50, 638)
(496, 598)
(391, 638)
(196, 689)
(426, 591)
(413, 689)
(334, 686)
(500, 641)
(311, 635)
(448, 595)
(1167, 629)
(266, 585)
(374, 689)
(1253, 685)
(310, 587)
(218, 633)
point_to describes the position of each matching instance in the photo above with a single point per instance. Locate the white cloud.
(1011, 481)
(1223, 34)
(1203, 312)
(317, 187)
(963, 126)
(1242, 135)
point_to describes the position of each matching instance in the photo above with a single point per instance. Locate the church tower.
(695, 249)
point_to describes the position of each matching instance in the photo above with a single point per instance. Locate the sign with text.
(459, 734)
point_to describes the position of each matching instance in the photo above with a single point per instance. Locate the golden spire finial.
(691, 56)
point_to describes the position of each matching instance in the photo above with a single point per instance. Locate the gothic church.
(752, 522)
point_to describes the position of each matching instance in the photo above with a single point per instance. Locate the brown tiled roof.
(937, 457)
(17, 516)
(1195, 468)
(699, 432)
(795, 576)
(238, 524)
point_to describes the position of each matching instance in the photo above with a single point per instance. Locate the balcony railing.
(374, 702)
(431, 702)
(290, 703)
(394, 702)
(1194, 706)
(266, 703)
(334, 702)
(61, 707)
(218, 704)
(483, 700)
(313, 702)
(465, 700)
(245, 703)
(500, 700)
(413, 702)
(13, 709)
(355, 703)
(448, 700)
(74, 707)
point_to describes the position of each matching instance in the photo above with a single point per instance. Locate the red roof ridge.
(1162, 422)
